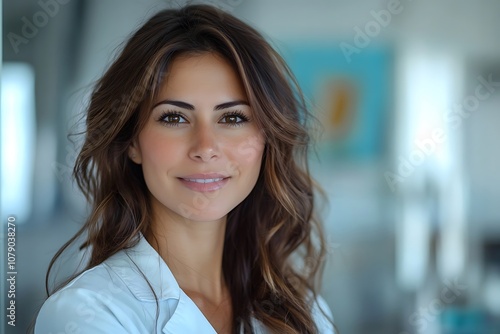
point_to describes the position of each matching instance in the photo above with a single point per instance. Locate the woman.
(195, 166)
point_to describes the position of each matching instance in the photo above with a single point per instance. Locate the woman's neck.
(193, 252)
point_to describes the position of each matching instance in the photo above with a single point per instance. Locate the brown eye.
(232, 119)
(172, 119)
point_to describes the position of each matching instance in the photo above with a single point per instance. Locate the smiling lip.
(204, 182)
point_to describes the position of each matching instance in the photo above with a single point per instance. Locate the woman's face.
(201, 150)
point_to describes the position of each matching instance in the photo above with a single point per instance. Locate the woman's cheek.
(251, 148)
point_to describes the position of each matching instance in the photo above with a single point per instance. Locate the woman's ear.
(134, 152)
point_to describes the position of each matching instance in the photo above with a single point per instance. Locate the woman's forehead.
(208, 74)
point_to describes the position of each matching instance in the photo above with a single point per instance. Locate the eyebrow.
(188, 106)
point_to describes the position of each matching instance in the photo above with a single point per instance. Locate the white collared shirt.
(114, 297)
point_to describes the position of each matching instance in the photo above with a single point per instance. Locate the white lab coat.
(114, 297)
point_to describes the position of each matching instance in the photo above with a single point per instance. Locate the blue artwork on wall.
(352, 100)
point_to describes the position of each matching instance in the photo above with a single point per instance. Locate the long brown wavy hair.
(274, 248)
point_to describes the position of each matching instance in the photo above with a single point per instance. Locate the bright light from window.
(17, 140)
(428, 85)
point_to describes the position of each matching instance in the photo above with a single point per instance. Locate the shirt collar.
(140, 265)
(144, 271)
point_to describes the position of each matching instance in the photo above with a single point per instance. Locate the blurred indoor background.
(408, 95)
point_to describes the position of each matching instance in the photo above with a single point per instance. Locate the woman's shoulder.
(99, 281)
(122, 292)
(91, 302)
(100, 300)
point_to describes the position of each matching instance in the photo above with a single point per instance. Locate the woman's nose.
(205, 145)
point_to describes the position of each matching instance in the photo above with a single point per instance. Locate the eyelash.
(236, 113)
